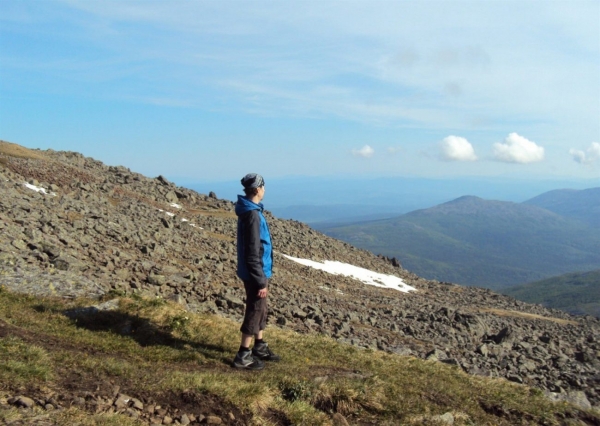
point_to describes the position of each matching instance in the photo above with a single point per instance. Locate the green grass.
(165, 348)
(22, 362)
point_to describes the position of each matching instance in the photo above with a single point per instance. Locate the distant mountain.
(576, 293)
(343, 213)
(478, 242)
(583, 205)
(311, 199)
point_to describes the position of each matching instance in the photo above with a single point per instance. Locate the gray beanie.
(252, 180)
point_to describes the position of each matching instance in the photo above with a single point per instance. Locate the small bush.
(179, 324)
(294, 390)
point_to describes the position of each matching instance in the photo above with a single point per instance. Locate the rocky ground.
(102, 229)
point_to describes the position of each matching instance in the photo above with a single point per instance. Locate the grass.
(155, 347)
(13, 150)
(23, 362)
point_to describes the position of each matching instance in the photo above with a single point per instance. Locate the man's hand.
(262, 293)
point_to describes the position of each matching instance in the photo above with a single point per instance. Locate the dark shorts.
(255, 317)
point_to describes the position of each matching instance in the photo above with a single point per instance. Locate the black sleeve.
(253, 248)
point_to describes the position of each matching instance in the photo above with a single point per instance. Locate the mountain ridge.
(480, 242)
(583, 205)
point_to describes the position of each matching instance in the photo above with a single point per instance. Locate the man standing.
(255, 260)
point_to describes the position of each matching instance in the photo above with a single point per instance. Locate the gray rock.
(19, 244)
(446, 418)
(137, 404)
(577, 398)
(163, 180)
(299, 313)
(109, 305)
(234, 302)
(171, 197)
(66, 262)
(505, 336)
(436, 355)
(157, 279)
(23, 401)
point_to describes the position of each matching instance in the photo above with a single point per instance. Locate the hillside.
(478, 242)
(583, 205)
(576, 293)
(142, 361)
(104, 232)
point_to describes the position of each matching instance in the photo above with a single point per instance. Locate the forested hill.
(577, 293)
(472, 241)
(583, 205)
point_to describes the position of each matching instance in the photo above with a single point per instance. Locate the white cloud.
(455, 148)
(517, 149)
(590, 156)
(366, 152)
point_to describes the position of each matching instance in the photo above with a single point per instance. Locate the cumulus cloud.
(455, 148)
(590, 156)
(366, 152)
(517, 149)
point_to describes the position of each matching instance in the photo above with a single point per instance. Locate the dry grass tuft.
(524, 315)
(13, 150)
(212, 213)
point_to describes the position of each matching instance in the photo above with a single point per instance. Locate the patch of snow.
(184, 220)
(170, 214)
(361, 274)
(175, 205)
(38, 189)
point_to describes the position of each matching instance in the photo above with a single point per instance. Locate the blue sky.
(199, 90)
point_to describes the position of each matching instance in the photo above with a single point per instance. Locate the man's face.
(261, 193)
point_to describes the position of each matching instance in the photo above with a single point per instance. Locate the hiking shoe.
(246, 361)
(262, 352)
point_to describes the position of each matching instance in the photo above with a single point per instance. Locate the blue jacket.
(254, 249)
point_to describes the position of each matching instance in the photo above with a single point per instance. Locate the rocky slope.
(103, 229)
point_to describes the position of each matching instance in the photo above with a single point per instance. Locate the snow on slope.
(364, 275)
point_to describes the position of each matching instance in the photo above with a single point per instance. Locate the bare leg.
(246, 340)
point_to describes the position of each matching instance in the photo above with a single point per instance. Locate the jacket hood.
(244, 205)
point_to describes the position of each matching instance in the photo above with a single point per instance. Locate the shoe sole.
(265, 358)
(247, 367)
